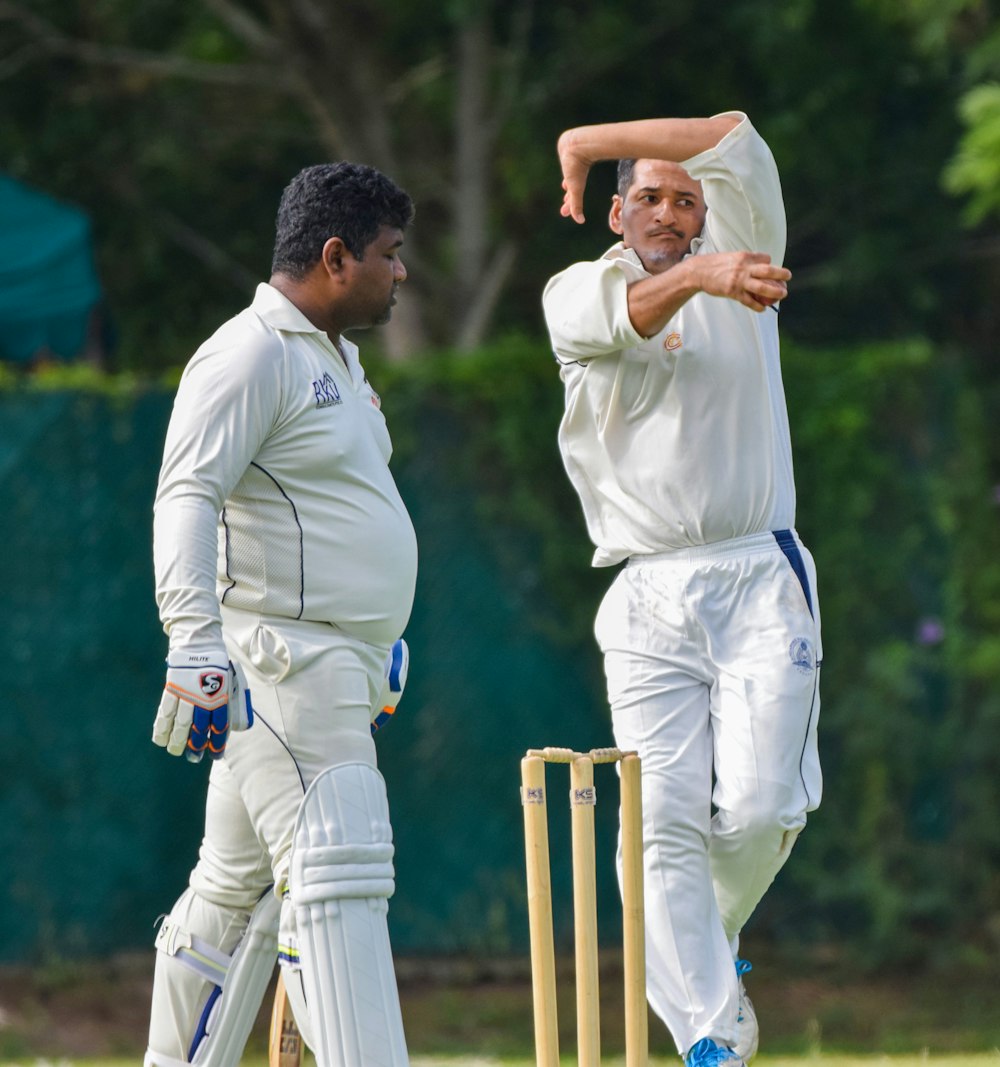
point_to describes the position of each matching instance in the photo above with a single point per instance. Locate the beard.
(657, 260)
(386, 314)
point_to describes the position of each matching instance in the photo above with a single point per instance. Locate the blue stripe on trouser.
(787, 544)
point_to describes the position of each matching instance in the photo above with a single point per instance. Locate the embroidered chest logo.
(327, 393)
(672, 341)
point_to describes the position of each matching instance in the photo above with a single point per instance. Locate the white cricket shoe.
(746, 1020)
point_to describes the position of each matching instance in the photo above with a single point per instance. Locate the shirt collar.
(622, 254)
(618, 251)
(278, 311)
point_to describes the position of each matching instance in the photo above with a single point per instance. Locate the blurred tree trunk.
(429, 94)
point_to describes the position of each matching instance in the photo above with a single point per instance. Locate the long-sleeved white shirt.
(275, 494)
(682, 438)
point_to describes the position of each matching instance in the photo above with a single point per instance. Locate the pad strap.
(197, 955)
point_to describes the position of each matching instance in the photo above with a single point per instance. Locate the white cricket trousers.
(313, 690)
(712, 658)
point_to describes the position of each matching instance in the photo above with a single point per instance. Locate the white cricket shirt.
(275, 494)
(682, 438)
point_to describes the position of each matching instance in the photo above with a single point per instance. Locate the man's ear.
(615, 215)
(334, 255)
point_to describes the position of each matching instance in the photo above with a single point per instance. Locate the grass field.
(979, 1059)
(478, 1013)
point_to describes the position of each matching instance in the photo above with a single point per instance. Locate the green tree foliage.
(896, 502)
(177, 124)
(975, 169)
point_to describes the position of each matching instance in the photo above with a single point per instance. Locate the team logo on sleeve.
(801, 653)
(326, 391)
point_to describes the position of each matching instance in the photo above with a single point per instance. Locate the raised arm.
(749, 278)
(672, 139)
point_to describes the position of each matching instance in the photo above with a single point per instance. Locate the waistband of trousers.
(732, 548)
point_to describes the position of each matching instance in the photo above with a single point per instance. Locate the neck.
(310, 301)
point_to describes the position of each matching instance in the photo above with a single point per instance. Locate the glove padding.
(397, 665)
(205, 697)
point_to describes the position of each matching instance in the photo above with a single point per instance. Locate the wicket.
(583, 799)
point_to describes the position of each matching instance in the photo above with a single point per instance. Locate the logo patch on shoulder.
(326, 392)
(672, 342)
(802, 655)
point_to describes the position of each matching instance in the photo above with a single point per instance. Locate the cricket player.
(286, 563)
(675, 436)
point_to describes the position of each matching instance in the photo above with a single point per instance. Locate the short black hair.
(346, 200)
(626, 170)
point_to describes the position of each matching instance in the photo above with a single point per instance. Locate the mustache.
(672, 230)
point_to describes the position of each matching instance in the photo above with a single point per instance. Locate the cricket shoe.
(746, 1019)
(707, 1053)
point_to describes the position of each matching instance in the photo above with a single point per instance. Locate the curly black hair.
(346, 200)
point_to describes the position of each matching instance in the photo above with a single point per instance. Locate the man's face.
(663, 211)
(374, 279)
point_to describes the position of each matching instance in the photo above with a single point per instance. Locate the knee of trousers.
(339, 884)
(757, 824)
(215, 1025)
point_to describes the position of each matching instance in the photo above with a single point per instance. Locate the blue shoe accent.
(706, 1053)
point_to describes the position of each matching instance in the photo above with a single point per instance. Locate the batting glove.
(205, 697)
(397, 665)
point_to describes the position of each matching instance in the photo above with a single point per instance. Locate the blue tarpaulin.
(48, 283)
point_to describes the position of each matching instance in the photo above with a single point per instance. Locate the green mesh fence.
(100, 828)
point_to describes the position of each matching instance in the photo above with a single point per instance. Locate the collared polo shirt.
(275, 494)
(679, 439)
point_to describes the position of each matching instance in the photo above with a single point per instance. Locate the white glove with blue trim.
(205, 697)
(397, 665)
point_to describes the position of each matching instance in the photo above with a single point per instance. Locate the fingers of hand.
(572, 208)
(759, 298)
(197, 737)
(163, 724)
(765, 285)
(209, 732)
(181, 727)
(218, 731)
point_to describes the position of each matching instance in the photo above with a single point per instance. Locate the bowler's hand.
(747, 277)
(575, 168)
(205, 696)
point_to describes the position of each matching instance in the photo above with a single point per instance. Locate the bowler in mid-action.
(675, 436)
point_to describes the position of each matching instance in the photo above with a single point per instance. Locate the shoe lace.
(706, 1053)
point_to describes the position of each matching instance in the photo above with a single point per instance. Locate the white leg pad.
(246, 982)
(340, 881)
(219, 1036)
